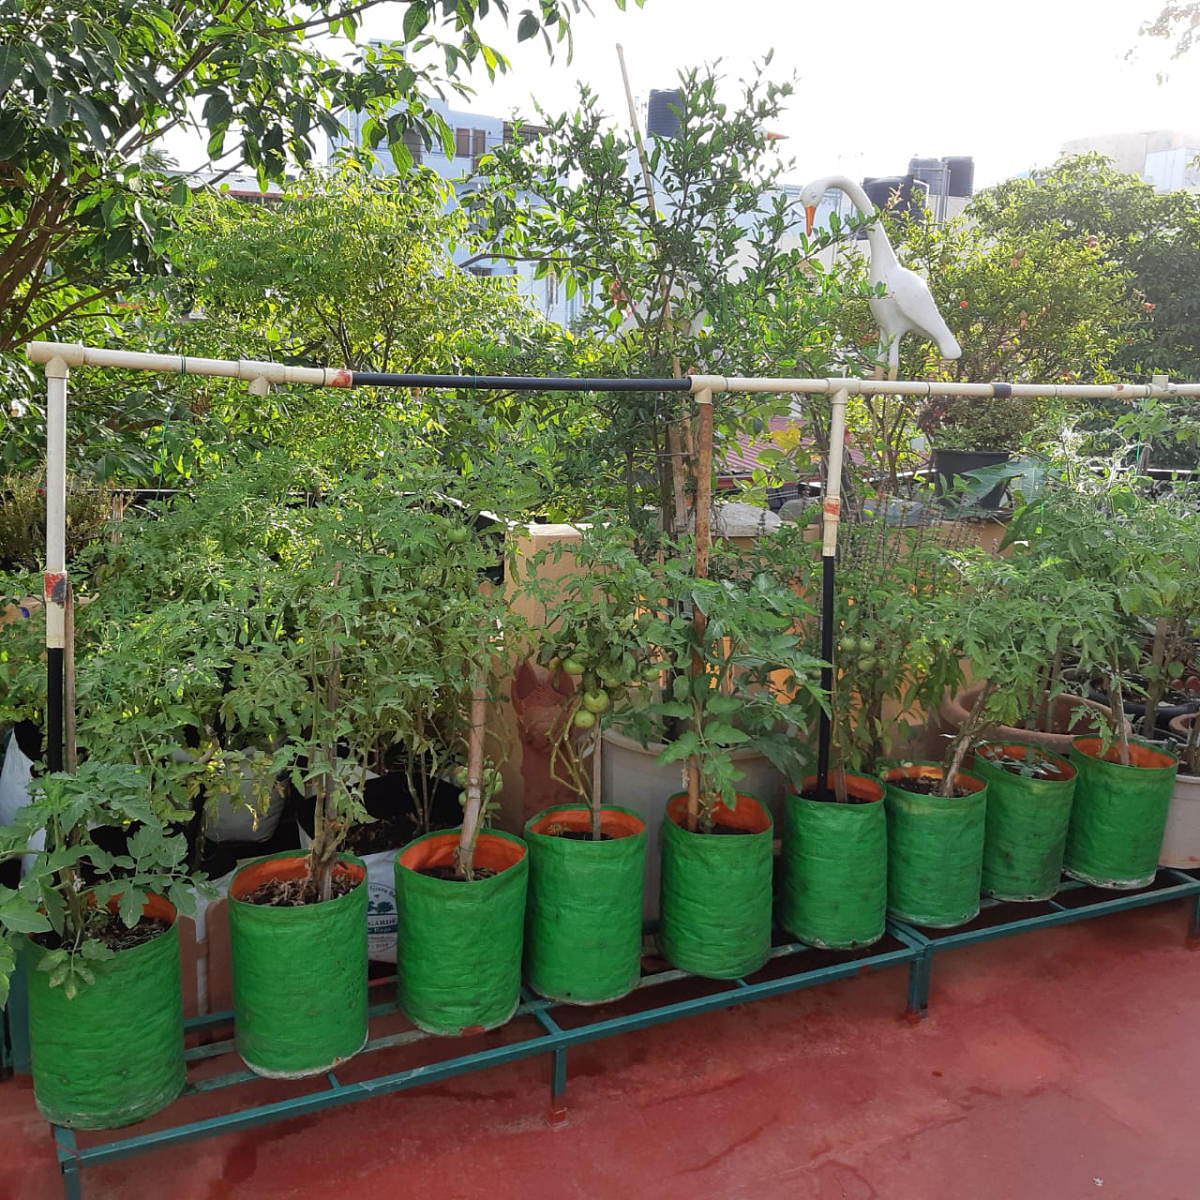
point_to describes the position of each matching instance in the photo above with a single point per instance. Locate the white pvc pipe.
(923, 387)
(56, 501)
(75, 355)
(832, 508)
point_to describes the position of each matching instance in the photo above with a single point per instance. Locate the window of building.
(462, 143)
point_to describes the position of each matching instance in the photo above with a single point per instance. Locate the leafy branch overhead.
(89, 99)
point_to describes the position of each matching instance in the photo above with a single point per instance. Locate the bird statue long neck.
(882, 254)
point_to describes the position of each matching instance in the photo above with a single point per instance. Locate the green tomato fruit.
(572, 666)
(458, 535)
(459, 777)
(585, 719)
(554, 663)
(866, 664)
(596, 702)
(651, 672)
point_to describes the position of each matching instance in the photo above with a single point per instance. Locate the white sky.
(883, 80)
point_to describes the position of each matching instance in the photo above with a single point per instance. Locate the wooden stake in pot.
(703, 540)
(831, 513)
(473, 812)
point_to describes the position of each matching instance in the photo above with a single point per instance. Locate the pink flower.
(1148, 306)
(962, 304)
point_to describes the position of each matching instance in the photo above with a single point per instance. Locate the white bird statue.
(907, 305)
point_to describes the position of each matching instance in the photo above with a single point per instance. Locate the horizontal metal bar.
(517, 383)
(554, 1038)
(937, 940)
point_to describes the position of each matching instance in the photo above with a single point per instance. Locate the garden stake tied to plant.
(59, 358)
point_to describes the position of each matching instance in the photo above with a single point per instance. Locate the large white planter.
(631, 778)
(1181, 840)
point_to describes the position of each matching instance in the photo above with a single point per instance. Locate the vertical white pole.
(831, 514)
(55, 579)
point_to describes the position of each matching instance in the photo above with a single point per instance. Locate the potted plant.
(1181, 838)
(832, 867)
(739, 676)
(298, 920)
(105, 998)
(583, 933)
(968, 435)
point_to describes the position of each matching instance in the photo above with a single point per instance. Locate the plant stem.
(967, 734)
(699, 621)
(597, 743)
(473, 813)
(1158, 682)
(1118, 699)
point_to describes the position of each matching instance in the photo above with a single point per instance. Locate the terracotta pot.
(1063, 729)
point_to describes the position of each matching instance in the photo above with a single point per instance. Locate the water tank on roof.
(933, 171)
(661, 119)
(962, 176)
(880, 188)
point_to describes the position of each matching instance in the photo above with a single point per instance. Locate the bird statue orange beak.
(809, 213)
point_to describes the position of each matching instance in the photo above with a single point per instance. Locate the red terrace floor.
(1061, 1065)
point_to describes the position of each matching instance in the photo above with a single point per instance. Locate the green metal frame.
(547, 1035)
(1168, 885)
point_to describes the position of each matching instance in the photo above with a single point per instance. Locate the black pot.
(950, 470)
(1135, 710)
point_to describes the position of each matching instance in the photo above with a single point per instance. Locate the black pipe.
(518, 383)
(54, 708)
(824, 735)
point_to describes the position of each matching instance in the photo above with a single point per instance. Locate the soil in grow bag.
(458, 961)
(1030, 794)
(930, 787)
(715, 896)
(935, 846)
(112, 1054)
(112, 931)
(1119, 813)
(583, 920)
(299, 971)
(832, 869)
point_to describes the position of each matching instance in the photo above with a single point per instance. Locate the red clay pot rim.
(933, 771)
(493, 850)
(749, 814)
(293, 866)
(856, 785)
(1066, 772)
(578, 819)
(1140, 756)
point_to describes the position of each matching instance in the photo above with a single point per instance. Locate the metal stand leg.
(17, 1009)
(557, 1116)
(1193, 935)
(920, 971)
(72, 1184)
(68, 1164)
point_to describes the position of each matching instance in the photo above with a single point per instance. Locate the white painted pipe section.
(831, 510)
(56, 502)
(924, 387)
(75, 355)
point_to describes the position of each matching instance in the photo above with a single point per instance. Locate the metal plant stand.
(551, 1028)
(1000, 920)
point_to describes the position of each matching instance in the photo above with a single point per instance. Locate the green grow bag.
(458, 944)
(1026, 824)
(299, 973)
(935, 849)
(833, 867)
(715, 893)
(583, 923)
(113, 1054)
(1119, 815)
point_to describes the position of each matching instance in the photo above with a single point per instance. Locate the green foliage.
(86, 205)
(691, 277)
(66, 892)
(23, 518)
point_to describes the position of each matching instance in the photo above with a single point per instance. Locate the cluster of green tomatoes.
(602, 678)
(492, 783)
(856, 654)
